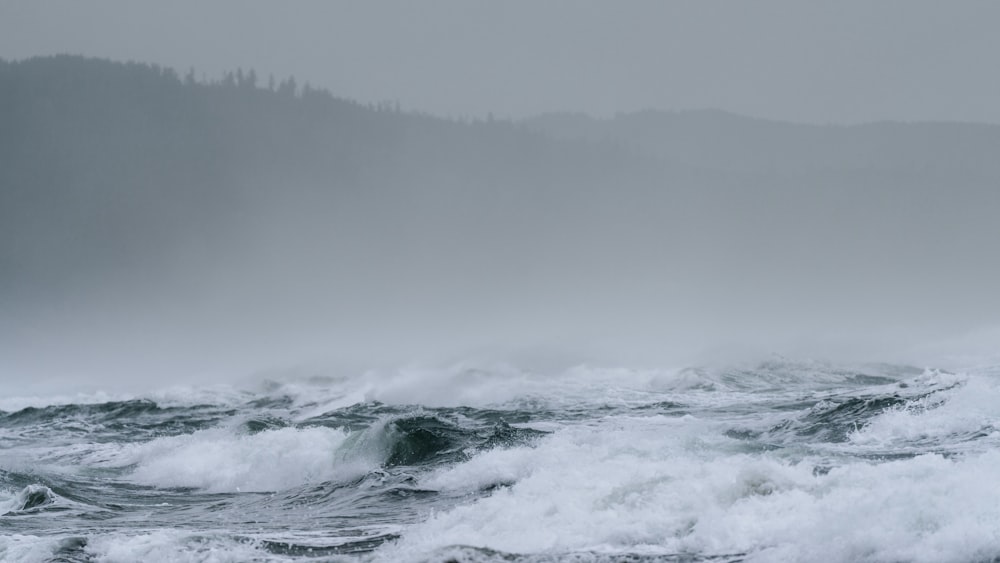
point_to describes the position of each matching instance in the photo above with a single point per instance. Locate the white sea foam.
(27, 498)
(13, 403)
(487, 385)
(221, 394)
(657, 486)
(226, 460)
(598, 484)
(968, 406)
(477, 385)
(167, 546)
(27, 548)
(473, 384)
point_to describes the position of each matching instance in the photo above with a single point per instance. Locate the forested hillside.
(107, 164)
(128, 191)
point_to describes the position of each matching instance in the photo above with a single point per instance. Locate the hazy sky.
(844, 61)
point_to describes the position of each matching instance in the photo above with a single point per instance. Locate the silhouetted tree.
(287, 87)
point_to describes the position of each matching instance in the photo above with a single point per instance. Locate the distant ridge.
(106, 165)
(718, 139)
(138, 195)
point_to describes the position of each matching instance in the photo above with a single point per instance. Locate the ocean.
(780, 460)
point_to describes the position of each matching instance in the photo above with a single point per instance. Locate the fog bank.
(159, 228)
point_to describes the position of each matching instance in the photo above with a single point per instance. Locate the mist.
(162, 224)
(852, 62)
(499, 281)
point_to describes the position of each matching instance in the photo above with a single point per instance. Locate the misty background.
(488, 181)
(850, 61)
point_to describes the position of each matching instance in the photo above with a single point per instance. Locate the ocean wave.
(26, 548)
(658, 489)
(225, 460)
(31, 498)
(773, 461)
(962, 414)
(266, 454)
(163, 546)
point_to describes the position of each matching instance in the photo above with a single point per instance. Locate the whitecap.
(226, 460)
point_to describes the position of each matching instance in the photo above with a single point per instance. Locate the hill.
(716, 139)
(153, 212)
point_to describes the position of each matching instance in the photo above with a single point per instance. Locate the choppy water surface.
(775, 462)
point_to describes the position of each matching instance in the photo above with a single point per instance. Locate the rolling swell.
(660, 467)
(426, 439)
(116, 420)
(30, 498)
(839, 416)
(835, 420)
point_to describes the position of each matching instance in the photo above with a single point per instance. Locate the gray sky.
(840, 62)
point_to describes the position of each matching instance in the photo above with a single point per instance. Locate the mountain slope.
(153, 213)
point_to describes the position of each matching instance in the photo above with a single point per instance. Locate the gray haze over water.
(188, 230)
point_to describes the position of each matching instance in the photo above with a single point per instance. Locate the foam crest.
(27, 548)
(29, 498)
(165, 546)
(225, 460)
(182, 396)
(475, 384)
(506, 466)
(660, 486)
(17, 403)
(487, 385)
(472, 385)
(967, 408)
(459, 385)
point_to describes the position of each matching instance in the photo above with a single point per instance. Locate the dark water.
(773, 462)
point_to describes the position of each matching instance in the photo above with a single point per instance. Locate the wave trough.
(779, 461)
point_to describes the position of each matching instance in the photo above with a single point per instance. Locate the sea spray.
(775, 461)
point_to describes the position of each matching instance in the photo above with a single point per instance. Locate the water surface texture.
(774, 461)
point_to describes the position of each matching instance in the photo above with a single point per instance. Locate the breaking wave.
(775, 461)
